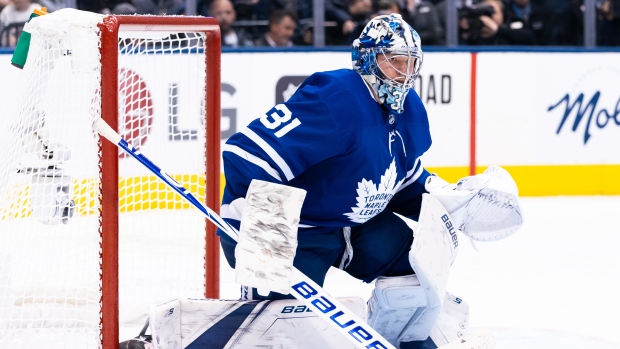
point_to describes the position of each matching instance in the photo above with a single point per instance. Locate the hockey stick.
(303, 288)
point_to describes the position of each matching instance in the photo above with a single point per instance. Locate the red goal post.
(109, 97)
(88, 239)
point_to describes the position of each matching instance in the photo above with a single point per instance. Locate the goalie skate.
(481, 339)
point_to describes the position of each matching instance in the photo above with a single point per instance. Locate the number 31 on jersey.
(279, 117)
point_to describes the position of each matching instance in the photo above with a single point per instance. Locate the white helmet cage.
(389, 40)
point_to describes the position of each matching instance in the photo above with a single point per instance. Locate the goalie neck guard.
(388, 55)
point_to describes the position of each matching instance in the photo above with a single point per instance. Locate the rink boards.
(551, 118)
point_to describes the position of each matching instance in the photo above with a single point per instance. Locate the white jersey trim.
(272, 153)
(253, 159)
(415, 173)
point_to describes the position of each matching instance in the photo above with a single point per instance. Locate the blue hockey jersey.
(353, 156)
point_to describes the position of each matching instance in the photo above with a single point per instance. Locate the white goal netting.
(51, 174)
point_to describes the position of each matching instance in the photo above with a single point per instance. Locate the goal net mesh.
(51, 175)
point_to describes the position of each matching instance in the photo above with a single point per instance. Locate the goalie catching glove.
(484, 207)
(268, 235)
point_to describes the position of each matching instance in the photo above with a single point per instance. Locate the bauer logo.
(446, 220)
(286, 86)
(295, 309)
(340, 316)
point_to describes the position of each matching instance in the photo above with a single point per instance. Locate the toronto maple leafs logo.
(371, 198)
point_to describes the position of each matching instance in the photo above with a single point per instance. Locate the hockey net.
(88, 238)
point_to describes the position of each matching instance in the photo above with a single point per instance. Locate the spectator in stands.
(554, 5)
(385, 7)
(567, 24)
(257, 10)
(282, 24)
(122, 7)
(351, 16)
(529, 15)
(490, 29)
(303, 9)
(224, 12)
(424, 17)
(305, 36)
(609, 23)
(3, 4)
(18, 11)
(53, 5)
(157, 7)
(566, 27)
(97, 6)
(255, 13)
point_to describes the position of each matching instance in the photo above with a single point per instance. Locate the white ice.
(554, 284)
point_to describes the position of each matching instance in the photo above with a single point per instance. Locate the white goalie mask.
(388, 55)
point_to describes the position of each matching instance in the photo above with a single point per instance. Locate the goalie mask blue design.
(388, 43)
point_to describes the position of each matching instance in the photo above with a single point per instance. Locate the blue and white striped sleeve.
(279, 146)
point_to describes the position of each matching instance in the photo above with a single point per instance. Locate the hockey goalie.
(333, 178)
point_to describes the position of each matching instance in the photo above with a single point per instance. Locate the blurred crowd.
(286, 23)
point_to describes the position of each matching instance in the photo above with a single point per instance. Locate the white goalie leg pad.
(393, 303)
(165, 325)
(268, 236)
(484, 207)
(207, 323)
(435, 245)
